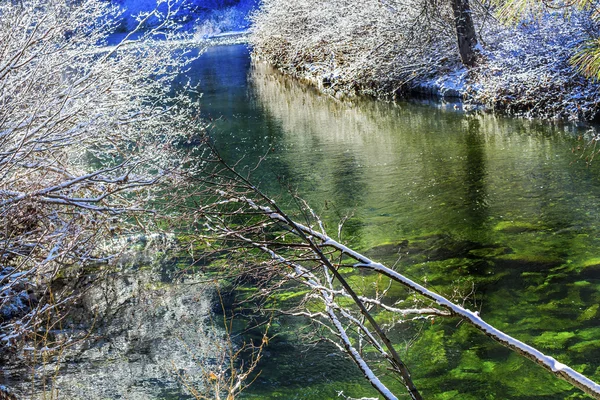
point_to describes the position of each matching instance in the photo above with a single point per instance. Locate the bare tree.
(342, 312)
(465, 32)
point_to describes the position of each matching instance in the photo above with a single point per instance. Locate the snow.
(224, 21)
(523, 69)
(453, 84)
(231, 33)
(526, 70)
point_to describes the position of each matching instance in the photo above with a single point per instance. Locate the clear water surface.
(497, 206)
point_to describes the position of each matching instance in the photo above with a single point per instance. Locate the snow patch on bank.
(223, 21)
(526, 71)
(450, 85)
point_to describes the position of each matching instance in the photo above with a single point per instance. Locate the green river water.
(498, 206)
(495, 206)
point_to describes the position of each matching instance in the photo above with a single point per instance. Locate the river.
(502, 208)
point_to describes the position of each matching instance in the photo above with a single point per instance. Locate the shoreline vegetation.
(91, 141)
(522, 69)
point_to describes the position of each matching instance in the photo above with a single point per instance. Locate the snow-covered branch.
(364, 263)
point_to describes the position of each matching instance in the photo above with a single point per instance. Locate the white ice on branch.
(362, 262)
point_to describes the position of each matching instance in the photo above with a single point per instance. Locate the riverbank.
(523, 70)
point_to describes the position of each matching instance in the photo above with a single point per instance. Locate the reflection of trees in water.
(320, 119)
(426, 168)
(475, 176)
(410, 169)
(146, 329)
(348, 191)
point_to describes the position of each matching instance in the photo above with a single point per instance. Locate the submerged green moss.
(592, 262)
(471, 367)
(430, 351)
(455, 395)
(517, 227)
(553, 340)
(589, 313)
(586, 346)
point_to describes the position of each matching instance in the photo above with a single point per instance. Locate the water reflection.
(149, 337)
(415, 169)
(475, 174)
(480, 202)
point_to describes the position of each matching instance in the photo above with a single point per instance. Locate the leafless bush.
(87, 142)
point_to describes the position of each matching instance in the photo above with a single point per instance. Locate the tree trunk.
(465, 32)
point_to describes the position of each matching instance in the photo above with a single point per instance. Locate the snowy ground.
(524, 70)
(527, 71)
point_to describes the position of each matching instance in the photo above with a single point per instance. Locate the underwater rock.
(489, 252)
(144, 330)
(436, 247)
(526, 262)
(590, 269)
(387, 249)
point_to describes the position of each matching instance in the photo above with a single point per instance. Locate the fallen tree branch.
(549, 363)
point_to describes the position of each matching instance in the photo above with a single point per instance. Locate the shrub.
(86, 143)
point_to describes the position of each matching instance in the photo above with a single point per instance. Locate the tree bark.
(465, 32)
